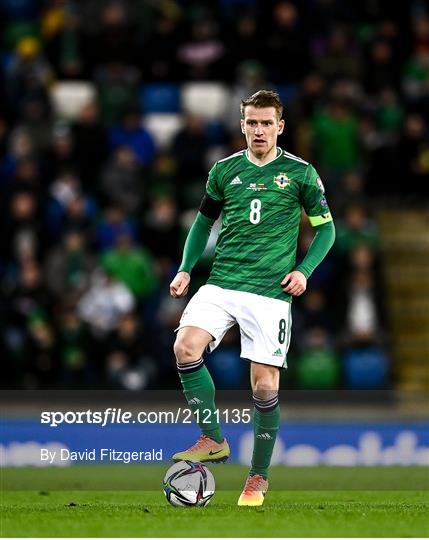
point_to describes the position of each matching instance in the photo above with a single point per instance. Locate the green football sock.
(199, 391)
(265, 427)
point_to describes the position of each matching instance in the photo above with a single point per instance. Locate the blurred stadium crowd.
(111, 114)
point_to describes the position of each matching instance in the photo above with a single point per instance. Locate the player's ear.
(281, 126)
(242, 126)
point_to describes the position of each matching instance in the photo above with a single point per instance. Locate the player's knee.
(185, 350)
(265, 388)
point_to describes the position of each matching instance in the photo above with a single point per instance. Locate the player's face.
(261, 127)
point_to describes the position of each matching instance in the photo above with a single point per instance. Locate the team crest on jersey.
(282, 180)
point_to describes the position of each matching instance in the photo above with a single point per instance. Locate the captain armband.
(315, 221)
(210, 208)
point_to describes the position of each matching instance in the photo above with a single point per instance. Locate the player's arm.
(322, 242)
(319, 248)
(314, 202)
(195, 244)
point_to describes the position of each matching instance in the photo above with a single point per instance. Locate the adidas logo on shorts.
(278, 352)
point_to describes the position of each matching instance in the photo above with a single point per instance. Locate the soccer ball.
(188, 484)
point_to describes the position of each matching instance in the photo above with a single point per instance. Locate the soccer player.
(260, 192)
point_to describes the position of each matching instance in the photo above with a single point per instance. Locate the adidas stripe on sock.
(189, 367)
(266, 405)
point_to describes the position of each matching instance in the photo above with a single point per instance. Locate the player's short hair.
(262, 99)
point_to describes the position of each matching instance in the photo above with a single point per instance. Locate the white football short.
(265, 323)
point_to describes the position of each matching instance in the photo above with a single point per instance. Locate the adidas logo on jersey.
(195, 401)
(278, 352)
(264, 436)
(236, 181)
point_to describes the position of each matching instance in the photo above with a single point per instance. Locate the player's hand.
(294, 283)
(180, 285)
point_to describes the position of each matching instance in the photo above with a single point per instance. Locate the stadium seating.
(406, 277)
(366, 368)
(226, 360)
(287, 92)
(160, 98)
(68, 98)
(163, 127)
(206, 99)
(317, 369)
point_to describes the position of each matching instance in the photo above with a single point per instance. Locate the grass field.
(80, 501)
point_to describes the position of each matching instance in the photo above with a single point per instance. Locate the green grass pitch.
(107, 501)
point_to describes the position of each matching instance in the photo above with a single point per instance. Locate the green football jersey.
(261, 214)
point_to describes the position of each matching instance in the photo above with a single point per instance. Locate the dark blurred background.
(111, 114)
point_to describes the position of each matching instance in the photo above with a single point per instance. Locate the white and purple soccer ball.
(187, 483)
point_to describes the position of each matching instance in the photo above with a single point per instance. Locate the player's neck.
(262, 159)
